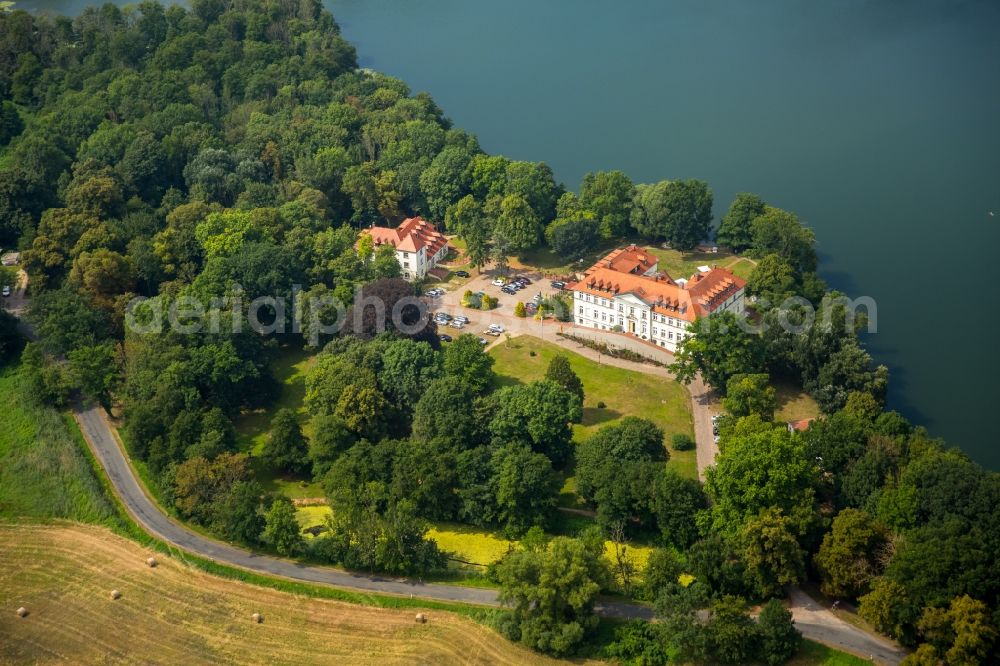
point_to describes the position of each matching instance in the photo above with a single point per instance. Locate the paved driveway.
(503, 314)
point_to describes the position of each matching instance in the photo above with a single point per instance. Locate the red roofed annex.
(626, 292)
(419, 245)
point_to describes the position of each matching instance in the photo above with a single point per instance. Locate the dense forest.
(175, 153)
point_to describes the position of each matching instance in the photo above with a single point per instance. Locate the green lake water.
(877, 121)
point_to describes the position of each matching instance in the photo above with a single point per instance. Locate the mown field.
(175, 614)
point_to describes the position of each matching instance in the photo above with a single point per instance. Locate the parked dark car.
(462, 274)
(558, 284)
(444, 337)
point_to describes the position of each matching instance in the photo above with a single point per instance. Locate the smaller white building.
(419, 245)
(625, 292)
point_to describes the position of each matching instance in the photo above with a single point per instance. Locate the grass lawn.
(43, 470)
(742, 267)
(542, 259)
(469, 543)
(480, 546)
(794, 404)
(815, 654)
(679, 264)
(624, 392)
(252, 428)
(289, 369)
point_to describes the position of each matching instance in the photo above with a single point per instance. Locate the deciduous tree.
(551, 594)
(281, 528)
(286, 448)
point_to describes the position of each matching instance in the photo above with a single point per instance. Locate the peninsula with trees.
(183, 155)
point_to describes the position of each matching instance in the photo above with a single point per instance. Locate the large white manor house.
(625, 292)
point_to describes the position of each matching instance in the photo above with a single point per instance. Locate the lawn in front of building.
(622, 392)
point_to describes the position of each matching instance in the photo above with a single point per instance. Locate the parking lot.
(503, 315)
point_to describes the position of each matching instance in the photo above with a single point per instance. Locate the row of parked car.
(445, 319)
(511, 287)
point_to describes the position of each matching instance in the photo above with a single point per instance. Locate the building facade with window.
(626, 292)
(419, 245)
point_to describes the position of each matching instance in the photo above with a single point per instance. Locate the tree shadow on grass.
(593, 416)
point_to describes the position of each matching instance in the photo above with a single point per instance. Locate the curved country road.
(813, 621)
(151, 517)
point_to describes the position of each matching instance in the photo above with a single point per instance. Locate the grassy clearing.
(289, 369)
(742, 267)
(679, 264)
(252, 428)
(43, 473)
(794, 404)
(623, 392)
(478, 546)
(543, 260)
(470, 543)
(176, 614)
(816, 654)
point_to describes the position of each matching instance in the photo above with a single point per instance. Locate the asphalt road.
(151, 517)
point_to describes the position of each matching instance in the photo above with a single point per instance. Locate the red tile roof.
(800, 425)
(631, 259)
(411, 235)
(701, 296)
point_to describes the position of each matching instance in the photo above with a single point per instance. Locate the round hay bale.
(151, 562)
(257, 618)
(22, 612)
(421, 618)
(115, 595)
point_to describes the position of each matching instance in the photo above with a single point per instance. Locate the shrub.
(519, 310)
(600, 404)
(682, 442)
(488, 302)
(639, 642)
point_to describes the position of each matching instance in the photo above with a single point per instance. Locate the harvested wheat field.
(171, 614)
